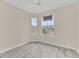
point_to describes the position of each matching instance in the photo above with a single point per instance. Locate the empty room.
(39, 28)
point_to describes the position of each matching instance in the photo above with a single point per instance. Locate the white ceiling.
(29, 5)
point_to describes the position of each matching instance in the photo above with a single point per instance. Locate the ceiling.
(32, 7)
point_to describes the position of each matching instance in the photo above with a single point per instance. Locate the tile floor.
(39, 50)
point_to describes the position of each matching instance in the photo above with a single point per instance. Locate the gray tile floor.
(39, 50)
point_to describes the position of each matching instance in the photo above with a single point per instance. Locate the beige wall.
(77, 31)
(65, 25)
(65, 34)
(14, 27)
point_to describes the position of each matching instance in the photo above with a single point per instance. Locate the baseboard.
(77, 51)
(19, 45)
(13, 47)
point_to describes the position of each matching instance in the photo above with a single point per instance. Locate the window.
(34, 21)
(48, 24)
(48, 21)
(34, 25)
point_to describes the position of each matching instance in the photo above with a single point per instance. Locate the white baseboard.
(37, 41)
(13, 47)
(77, 51)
